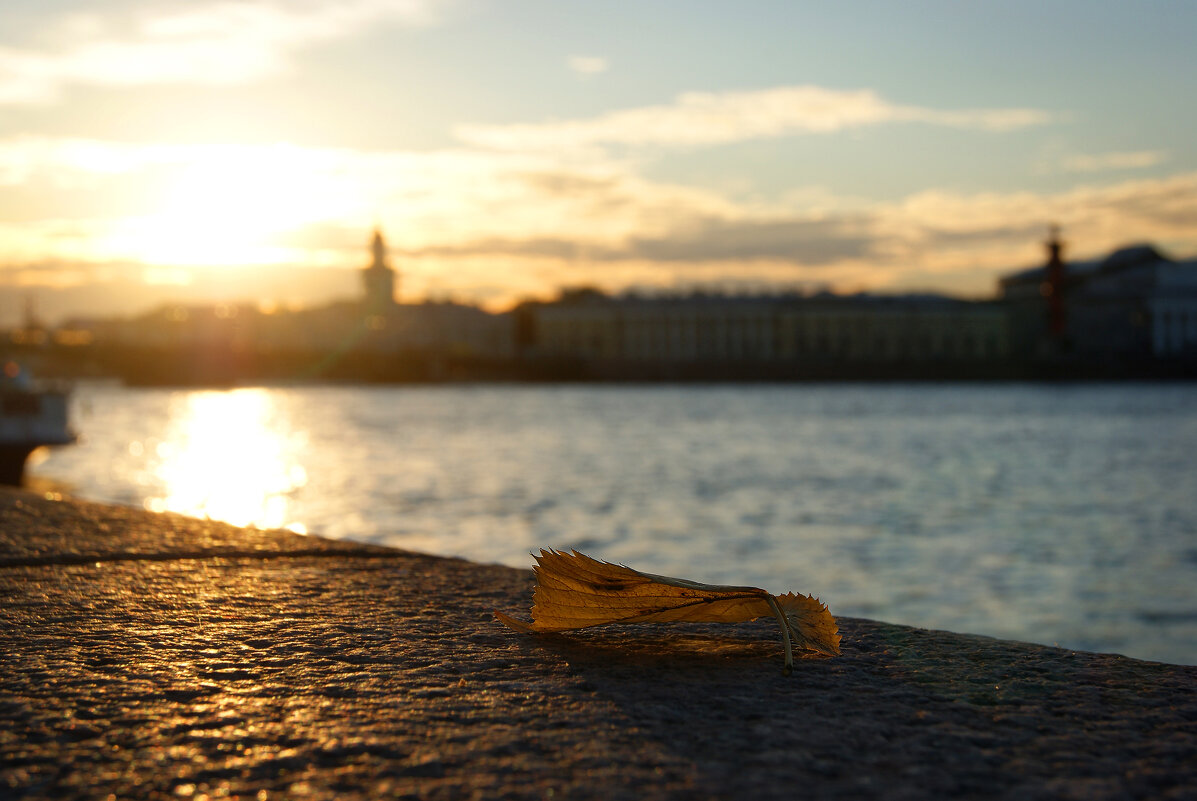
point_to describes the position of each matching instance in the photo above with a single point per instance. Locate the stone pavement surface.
(154, 656)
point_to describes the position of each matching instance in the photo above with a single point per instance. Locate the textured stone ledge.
(153, 656)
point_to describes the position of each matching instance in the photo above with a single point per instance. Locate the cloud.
(930, 240)
(497, 224)
(968, 240)
(702, 118)
(535, 247)
(794, 239)
(588, 65)
(1122, 160)
(211, 43)
(63, 289)
(1164, 208)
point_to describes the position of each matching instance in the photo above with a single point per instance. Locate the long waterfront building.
(1110, 316)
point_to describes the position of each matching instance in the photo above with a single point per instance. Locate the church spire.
(379, 250)
(1053, 287)
(379, 277)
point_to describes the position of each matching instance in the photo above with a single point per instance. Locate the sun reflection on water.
(229, 456)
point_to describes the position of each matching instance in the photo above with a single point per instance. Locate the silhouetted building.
(1131, 314)
(1054, 287)
(824, 333)
(379, 278)
(1133, 306)
(445, 329)
(1035, 300)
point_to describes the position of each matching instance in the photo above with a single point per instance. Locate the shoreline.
(156, 656)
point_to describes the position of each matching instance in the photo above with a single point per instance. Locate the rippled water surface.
(1052, 514)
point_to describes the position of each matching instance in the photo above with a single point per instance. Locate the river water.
(1053, 514)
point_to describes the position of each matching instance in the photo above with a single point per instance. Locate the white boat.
(30, 416)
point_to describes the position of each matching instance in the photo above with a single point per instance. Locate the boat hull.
(12, 461)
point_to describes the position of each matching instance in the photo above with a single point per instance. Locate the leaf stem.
(785, 633)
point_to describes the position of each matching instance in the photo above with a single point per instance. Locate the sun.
(228, 205)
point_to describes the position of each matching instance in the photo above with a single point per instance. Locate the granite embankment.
(154, 656)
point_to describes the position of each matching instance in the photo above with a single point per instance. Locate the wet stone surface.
(287, 667)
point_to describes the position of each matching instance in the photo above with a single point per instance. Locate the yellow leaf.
(574, 591)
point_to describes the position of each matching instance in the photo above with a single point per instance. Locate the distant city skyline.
(229, 150)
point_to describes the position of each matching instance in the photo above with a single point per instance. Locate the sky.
(159, 151)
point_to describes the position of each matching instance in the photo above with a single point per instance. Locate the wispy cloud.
(457, 218)
(703, 118)
(588, 65)
(1122, 160)
(209, 43)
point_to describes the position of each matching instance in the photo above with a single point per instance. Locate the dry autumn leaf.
(574, 591)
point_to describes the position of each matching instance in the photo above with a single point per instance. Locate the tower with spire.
(1053, 286)
(379, 278)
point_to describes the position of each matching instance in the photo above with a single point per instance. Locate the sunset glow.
(227, 206)
(508, 150)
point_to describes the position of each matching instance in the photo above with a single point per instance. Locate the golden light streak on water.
(230, 456)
